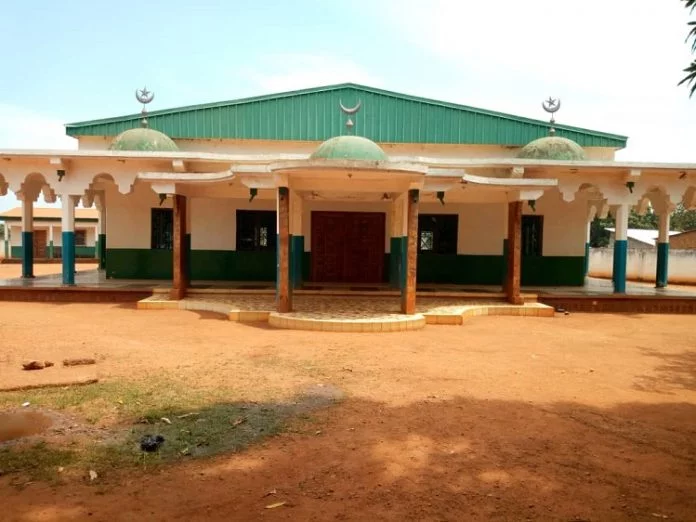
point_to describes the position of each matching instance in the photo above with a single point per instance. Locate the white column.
(661, 270)
(620, 248)
(27, 236)
(27, 214)
(68, 240)
(663, 232)
(6, 233)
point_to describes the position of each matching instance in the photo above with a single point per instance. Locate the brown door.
(40, 241)
(348, 247)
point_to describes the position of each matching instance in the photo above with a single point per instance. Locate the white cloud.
(23, 129)
(286, 72)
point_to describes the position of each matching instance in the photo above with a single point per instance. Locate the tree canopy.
(690, 78)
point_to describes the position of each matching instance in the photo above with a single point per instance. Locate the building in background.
(47, 233)
(639, 238)
(684, 240)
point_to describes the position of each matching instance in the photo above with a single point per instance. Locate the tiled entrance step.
(348, 314)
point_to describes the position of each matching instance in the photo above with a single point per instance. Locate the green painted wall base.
(102, 251)
(296, 261)
(228, 265)
(490, 270)
(212, 265)
(662, 273)
(620, 261)
(398, 246)
(68, 255)
(27, 254)
(505, 262)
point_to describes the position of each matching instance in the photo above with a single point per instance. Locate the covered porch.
(310, 199)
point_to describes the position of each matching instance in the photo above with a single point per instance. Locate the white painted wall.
(214, 221)
(128, 216)
(642, 263)
(482, 227)
(565, 224)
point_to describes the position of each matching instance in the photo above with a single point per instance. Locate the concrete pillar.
(6, 233)
(68, 203)
(620, 248)
(398, 241)
(187, 241)
(283, 286)
(662, 272)
(408, 293)
(296, 241)
(587, 249)
(180, 279)
(27, 236)
(513, 278)
(505, 246)
(101, 230)
(50, 242)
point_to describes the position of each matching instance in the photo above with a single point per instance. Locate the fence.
(642, 264)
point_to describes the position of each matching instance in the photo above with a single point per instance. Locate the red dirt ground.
(14, 270)
(580, 417)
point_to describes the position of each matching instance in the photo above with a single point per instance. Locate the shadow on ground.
(676, 372)
(450, 459)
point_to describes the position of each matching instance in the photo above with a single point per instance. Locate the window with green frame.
(256, 230)
(437, 233)
(532, 235)
(161, 229)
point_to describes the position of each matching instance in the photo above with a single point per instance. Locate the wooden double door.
(40, 243)
(348, 247)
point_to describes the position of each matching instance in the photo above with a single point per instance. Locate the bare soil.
(579, 417)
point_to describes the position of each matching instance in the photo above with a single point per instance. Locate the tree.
(683, 219)
(690, 78)
(599, 237)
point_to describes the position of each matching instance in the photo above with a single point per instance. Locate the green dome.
(553, 148)
(350, 148)
(143, 139)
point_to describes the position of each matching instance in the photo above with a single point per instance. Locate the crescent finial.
(551, 105)
(351, 110)
(144, 96)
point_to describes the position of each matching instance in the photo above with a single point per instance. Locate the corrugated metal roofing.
(314, 115)
(647, 236)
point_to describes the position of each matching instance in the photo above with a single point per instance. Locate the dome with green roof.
(143, 139)
(353, 148)
(552, 148)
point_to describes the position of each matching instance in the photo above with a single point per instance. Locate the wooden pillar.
(408, 294)
(284, 292)
(514, 254)
(179, 282)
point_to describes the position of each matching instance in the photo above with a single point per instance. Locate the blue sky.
(614, 64)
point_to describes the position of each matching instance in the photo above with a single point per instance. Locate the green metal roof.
(314, 115)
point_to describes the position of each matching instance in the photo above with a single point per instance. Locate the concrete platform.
(344, 313)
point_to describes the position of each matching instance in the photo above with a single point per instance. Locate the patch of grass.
(38, 462)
